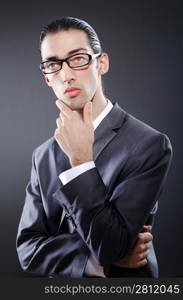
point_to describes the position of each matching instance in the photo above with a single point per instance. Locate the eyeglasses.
(75, 61)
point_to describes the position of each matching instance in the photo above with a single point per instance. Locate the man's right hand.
(137, 256)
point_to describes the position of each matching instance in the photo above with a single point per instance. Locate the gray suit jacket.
(99, 212)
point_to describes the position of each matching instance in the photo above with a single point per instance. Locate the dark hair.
(67, 23)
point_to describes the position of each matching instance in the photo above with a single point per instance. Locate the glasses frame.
(61, 61)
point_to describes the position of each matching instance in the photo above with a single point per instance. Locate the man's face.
(60, 45)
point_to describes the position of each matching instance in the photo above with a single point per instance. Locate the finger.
(59, 123)
(142, 255)
(144, 237)
(64, 109)
(87, 113)
(140, 248)
(141, 263)
(143, 243)
(62, 117)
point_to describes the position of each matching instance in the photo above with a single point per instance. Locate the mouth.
(72, 92)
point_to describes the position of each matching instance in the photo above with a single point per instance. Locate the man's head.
(64, 38)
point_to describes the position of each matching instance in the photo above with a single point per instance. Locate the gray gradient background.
(143, 39)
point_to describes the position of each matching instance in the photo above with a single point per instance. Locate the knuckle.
(146, 248)
(149, 236)
(140, 256)
(140, 235)
(141, 247)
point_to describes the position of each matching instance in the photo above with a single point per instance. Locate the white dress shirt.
(92, 268)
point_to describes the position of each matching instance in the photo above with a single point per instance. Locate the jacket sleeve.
(40, 252)
(109, 222)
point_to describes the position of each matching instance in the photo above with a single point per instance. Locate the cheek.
(57, 87)
(91, 83)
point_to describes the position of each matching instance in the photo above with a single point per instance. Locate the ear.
(46, 79)
(103, 63)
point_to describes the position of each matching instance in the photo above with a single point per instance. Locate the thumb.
(87, 113)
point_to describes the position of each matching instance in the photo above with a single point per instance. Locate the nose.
(66, 73)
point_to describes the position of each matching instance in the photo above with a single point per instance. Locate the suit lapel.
(108, 129)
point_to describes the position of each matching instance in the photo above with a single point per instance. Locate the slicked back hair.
(67, 23)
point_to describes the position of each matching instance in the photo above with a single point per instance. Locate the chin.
(75, 104)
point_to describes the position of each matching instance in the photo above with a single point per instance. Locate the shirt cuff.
(72, 173)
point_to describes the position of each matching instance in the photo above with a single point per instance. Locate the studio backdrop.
(143, 40)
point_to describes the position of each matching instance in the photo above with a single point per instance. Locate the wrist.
(76, 161)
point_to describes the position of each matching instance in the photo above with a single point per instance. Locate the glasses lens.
(78, 60)
(50, 66)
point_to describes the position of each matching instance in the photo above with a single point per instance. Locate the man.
(94, 187)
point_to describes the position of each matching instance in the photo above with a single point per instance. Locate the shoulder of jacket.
(44, 149)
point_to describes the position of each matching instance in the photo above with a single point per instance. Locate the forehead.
(59, 44)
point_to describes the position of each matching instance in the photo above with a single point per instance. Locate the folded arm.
(109, 223)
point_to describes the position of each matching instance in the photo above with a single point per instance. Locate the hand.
(75, 133)
(137, 257)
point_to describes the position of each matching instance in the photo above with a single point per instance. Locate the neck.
(99, 103)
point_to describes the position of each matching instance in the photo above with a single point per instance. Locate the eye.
(78, 60)
(52, 65)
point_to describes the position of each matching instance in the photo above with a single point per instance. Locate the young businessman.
(94, 186)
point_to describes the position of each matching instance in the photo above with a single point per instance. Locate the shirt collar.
(103, 114)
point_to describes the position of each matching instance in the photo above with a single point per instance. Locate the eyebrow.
(69, 53)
